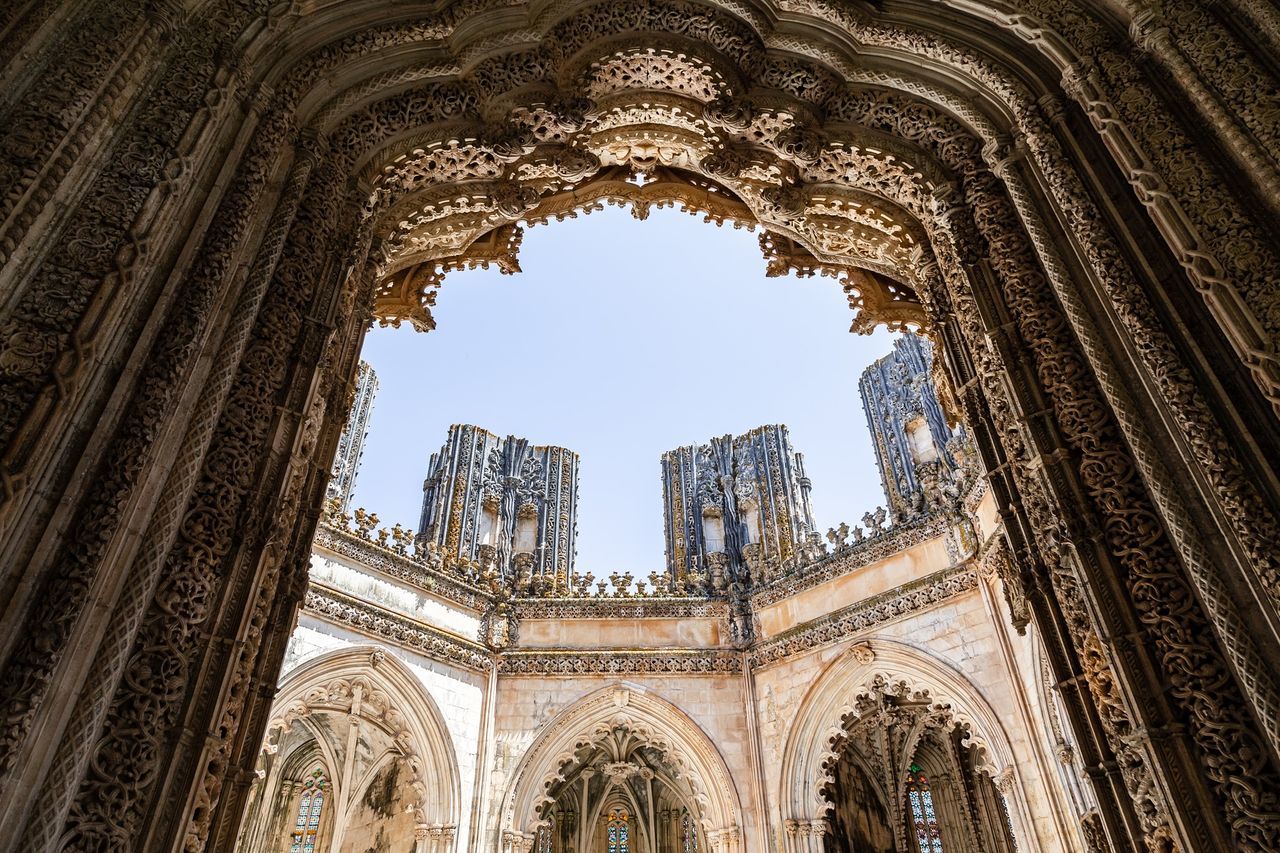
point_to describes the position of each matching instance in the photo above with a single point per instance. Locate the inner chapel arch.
(628, 730)
(818, 739)
(359, 720)
(197, 232)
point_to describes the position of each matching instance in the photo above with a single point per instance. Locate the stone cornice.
(844, 623)
(620, 662)
(620, 608)
(893, 541)
(395, 628)
(398, 629)
(368, 554)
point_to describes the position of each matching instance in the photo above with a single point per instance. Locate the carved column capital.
(1052, 108)
(1081, 82)
(1149, 32)
(1004, 782)
(1002, 152)
(309, 147)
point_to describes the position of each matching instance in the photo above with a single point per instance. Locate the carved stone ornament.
(203, 206)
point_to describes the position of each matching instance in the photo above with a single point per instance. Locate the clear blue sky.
(620, 340)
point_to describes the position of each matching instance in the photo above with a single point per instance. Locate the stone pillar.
(805, 835)
(517, 842)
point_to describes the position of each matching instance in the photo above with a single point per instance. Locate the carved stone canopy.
(661, 131)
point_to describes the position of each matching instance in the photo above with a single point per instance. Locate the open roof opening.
(622, 340)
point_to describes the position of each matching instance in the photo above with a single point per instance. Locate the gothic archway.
(634, 731)
(198, 231)
(819, 738)
(363, 717)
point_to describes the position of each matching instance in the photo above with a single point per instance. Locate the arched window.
(488, 532)
(923, 818)
(526, 540)
(688, 832)
(310, 805)
(751, 518)
(713, 533)
(617, 831)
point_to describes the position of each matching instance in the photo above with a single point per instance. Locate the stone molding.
(334, 606)
(619, 608)
(877, 610)
(439, 645)
(621, 662)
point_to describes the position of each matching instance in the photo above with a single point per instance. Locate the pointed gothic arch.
(368, 685)
(815, 736)
(656, 722)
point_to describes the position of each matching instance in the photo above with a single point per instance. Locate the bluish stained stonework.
(733, 505)
(346, 462)
(504, 503)
(916, 449)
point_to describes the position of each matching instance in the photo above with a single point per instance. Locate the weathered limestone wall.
(857, 585)
(379, 821)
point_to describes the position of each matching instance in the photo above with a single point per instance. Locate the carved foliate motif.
(114, 153)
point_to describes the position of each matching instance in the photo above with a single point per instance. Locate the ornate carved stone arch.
(816, 732)
(684, 744)
(117, 219)
(391, 698)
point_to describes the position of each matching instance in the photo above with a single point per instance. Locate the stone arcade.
(205, 202)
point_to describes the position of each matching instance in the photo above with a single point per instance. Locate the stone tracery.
(616, 722)
(386, 713)
(795, 156)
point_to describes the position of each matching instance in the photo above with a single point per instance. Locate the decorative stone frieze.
(620, 608)
(620, 662)
(396, 628)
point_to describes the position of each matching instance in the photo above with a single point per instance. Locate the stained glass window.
(616, 831)
(688, 832)
(310, 806)
(928, 837)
